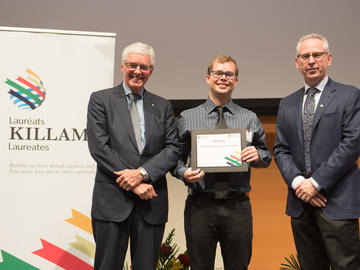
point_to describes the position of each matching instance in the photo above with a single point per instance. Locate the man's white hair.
(316, 36)
(139, 48)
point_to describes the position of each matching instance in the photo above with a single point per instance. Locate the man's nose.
(223, 77)
(311, 59)
(137, 70)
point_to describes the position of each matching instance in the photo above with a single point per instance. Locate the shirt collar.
(210, 106)
(128, 90)
(320, 86)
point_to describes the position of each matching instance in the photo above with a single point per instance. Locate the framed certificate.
(218, 150)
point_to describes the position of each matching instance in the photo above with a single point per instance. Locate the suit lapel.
(122, 107)
(149, 115)
(327, 96)
(298, 114)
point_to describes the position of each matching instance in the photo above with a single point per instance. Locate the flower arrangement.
(168, 259)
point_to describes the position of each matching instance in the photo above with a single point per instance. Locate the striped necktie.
(135, 119)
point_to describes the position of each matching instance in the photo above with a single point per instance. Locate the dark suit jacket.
(335, 148)
(112, 144)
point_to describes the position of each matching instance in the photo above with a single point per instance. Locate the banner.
(47, 173)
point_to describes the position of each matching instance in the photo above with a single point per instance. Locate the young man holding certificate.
(218, 206)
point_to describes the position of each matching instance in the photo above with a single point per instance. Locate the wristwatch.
(143, 173)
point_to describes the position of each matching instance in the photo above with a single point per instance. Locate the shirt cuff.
(300, 178)
(316, 185)
(296, 181)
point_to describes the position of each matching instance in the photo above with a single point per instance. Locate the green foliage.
(292, 263)
(126, 266)
(167, 252)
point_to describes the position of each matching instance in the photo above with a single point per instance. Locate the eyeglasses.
(133, 66)
(315, 55)
(218, 74)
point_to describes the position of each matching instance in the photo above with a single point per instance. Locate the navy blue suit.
(335, 148)
(328, 235)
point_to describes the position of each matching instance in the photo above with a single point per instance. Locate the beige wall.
(261, 35)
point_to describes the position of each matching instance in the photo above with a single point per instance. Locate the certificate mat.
(218, 150)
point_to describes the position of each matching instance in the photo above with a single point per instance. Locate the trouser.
(112, 241)
(227, 221)
(321, 242)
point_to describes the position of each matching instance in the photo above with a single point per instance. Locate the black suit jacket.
(112, 144)
(335, 148)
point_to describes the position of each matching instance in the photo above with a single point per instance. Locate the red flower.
(184, 259)
(165, 250)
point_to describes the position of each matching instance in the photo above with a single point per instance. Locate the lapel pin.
(321, 105)
(152, 104)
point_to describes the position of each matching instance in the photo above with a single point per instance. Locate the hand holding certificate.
(218, 150)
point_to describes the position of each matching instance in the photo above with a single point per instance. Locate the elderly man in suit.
(317, 145)
(133, 138)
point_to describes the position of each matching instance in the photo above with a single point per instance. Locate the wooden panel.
(272, 231)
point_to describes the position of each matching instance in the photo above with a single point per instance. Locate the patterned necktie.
(220, 124)
(221, 184)
(308, 116)
(135, 119)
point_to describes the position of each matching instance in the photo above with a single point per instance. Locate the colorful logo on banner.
(27, 93)
(234, 159)
(57, 255)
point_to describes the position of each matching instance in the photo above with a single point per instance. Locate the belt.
(231, 195)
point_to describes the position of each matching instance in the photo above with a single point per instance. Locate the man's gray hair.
(139, 48)
(316, 36)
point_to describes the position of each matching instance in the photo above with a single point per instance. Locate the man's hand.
(318, 200)
(128, 179)
(249, 154)
(307, 192)
(193, 176)
(145, 191)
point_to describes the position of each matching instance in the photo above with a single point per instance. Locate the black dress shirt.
(204, 117)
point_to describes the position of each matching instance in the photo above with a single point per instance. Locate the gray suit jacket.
(112, 144)
(335, 148)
